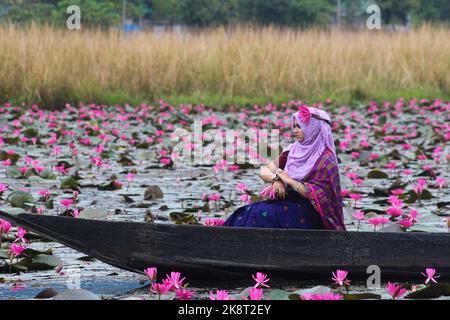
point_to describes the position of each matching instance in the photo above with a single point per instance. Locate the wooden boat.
(223, 253)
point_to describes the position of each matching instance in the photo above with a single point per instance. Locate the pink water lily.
(21, 232)
(219, 295)
(397, 192)
(16, 250)
(214, 197)
(394, 212)
(160, 288)
(130, 177)
(5, 227)
(395, 291)
(406, 224)
(75, 213)
(174, 281)
(376, 221)
(183, 294)
(3, 188)
(165, 161)
(359, 215)
(395, 202)
(43, 193)
(151, 273)
(261, 279)
(304, 113)
(242, 187)
(430, 274)
(66, 203)
(324, 296)
(340, 278)
(268, 192)
(214, 222)
(254, 294)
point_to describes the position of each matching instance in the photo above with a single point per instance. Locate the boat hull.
(223, 253)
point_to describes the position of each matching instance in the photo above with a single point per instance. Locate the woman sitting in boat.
(303, 183)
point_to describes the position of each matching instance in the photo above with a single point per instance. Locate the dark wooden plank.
(220, 253)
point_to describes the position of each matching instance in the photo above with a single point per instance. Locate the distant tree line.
(202, 13)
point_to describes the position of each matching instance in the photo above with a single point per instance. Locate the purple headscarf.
(316, 125)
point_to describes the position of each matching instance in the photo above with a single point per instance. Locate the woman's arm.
(266, 172)
(297, 186)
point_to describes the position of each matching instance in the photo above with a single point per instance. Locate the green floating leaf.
(86, 258)
(361, 296)
(110, 186)
(14, 172)
(20, 199)
(277, 294)
(412, 196)
(47, 174)
(15, 268)
(183, 218)
(49, 204)
(11, 140)
(431, 292)
(40, 262)
(125, 161)
(4, 254)
(377, 174)
(30, 133)
(70, 183)
(296, 295)
(94, 214)
(31, 253)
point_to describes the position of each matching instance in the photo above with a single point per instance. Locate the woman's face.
(298, 132)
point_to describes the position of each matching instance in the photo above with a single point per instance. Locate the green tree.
(167, 10)
(433, 11)
(208, 12)
(102, 13)
(287, 12)
(394, 12)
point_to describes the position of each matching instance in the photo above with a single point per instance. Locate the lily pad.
(21, 199)
(183, 218)
(110, 186)
(377, 174)
(40, 262)
(296, 295)
(94, 214)
(431, 292)
(361, 296)
(277, 294)
(47, 174)
(14, 172)
(4, 254)
(70, 183)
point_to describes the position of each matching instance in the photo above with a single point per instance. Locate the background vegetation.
(219, 66)
(228, 52)
(107, 13)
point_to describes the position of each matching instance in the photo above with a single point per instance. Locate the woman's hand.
(283, 175)
(279, 189)
(297, 186)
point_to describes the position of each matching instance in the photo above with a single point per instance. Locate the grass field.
(218, 67)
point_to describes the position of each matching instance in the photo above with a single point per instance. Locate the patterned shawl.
(323, 189)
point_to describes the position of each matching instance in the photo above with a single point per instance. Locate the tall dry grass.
(44, 64)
